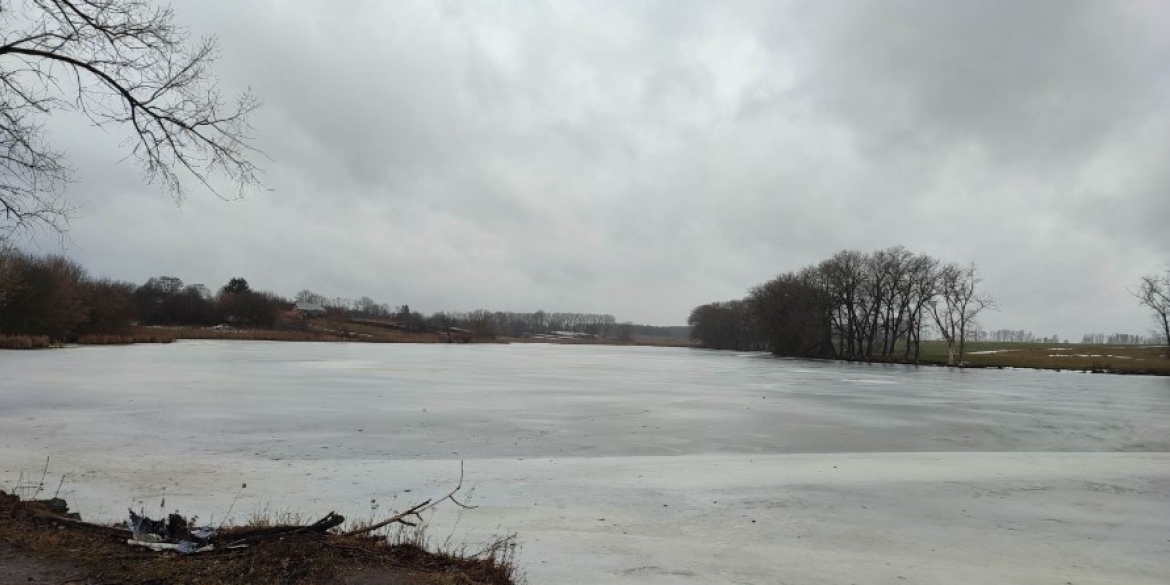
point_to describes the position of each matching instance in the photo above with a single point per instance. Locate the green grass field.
(1123, 359)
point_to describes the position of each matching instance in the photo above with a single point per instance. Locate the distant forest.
(853, 306)
(54, 297)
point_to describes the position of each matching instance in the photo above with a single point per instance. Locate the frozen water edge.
(801, 518)
(619, 465)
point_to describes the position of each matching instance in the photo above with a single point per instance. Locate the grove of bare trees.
(853, 306)
(123, 64)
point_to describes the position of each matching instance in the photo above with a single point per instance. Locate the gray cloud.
(642, 158)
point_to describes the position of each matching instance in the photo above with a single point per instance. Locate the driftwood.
(417, 510)
(113, 531)
(329, 522)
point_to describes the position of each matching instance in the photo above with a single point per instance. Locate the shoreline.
(810, 508)
(40, 541)
(1094, 361)
(170, 334)
(1091, 369)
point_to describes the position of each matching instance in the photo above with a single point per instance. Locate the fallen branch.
(417, 510)
(99, 528)
(167, 546)
(329, 522)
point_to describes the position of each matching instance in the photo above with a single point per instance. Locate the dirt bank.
(40, 546)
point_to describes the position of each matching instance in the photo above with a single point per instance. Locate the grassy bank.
(1114, 359)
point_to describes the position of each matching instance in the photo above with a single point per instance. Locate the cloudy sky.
(640, 158)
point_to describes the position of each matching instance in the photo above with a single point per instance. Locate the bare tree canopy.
(958, 306)
(123, 63)
(853, 306)
(1154, 293)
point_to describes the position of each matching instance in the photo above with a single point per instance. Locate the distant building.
(306, 310)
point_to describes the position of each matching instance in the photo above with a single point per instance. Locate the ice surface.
(620, 465)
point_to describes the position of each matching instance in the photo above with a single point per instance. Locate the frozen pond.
(615, 465)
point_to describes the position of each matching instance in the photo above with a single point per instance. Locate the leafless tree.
(121, 63)
(308, 296)
(921, 286)
(443, 322)
(1154, 292)
(843, 277)
(369, 307)
(957, 307)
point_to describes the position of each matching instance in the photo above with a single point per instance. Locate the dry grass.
(142, 335)
(248, 334)
(375, 333)
(139, 335)
(315, 330)
(302, 558)
(1114, 359)
(25, 342)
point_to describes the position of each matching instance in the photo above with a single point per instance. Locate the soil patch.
(38, 545)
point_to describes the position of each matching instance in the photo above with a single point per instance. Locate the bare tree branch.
(417, 510)
(122, 63)
(1154, 293)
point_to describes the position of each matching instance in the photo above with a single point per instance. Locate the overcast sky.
(641, 158)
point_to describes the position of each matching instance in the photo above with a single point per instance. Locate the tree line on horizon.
(480, 323)
(852, 306)
(55, 297)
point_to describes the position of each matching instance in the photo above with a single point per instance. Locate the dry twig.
(417, 510)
